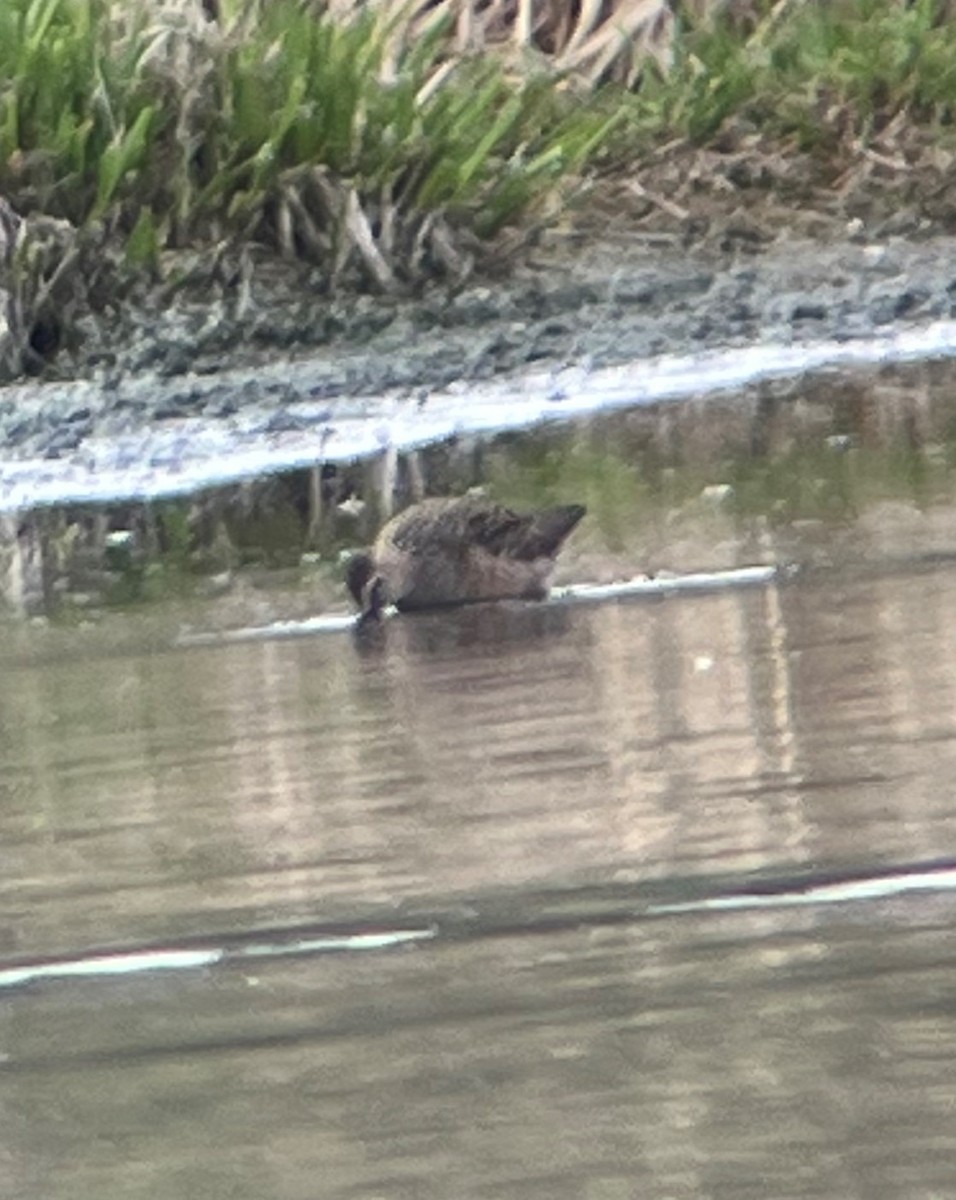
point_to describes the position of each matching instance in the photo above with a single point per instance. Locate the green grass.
(827, 71)
(285, 127)
(355, 145)
(383, 156)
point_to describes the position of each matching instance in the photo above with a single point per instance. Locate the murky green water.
(554, 792)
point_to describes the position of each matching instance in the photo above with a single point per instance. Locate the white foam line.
(113, 964)
(643, 586)
(356, 941)
(879, 887)
(184, 960)
(184, 456)
(572, 593)
(332, 623)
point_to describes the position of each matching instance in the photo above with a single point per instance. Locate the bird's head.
(367, 588)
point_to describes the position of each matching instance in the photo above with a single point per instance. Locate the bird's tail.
(549, 528)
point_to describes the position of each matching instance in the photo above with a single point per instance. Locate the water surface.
(554, 795)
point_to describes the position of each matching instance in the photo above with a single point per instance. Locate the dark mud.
(250, 354)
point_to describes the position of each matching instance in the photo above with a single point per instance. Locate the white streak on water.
(137, 962)
(180, 457)
(663, 585)
(877, 887)
(332, 623)
(352, 941)
(112, 964)
(574, 593)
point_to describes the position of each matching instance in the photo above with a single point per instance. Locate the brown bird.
(457, 551)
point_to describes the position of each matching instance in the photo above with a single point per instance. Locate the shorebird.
(457, 551)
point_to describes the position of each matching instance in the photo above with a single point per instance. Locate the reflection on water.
(668, 488)
(504, 775)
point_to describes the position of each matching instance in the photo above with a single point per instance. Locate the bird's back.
(451, 551)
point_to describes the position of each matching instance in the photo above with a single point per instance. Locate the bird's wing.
(498, 530)
(457, 527)
(475, 523)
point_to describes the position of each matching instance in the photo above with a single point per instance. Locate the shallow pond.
(636, 898)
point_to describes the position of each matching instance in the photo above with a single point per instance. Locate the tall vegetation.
(384, 141)
(339, 138)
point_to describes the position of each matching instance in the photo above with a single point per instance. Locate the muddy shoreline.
(599, 303)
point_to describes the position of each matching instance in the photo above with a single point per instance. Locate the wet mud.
(226, 358)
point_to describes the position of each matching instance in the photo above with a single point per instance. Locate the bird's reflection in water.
(491, 629)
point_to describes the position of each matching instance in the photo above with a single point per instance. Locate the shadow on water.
(675, 871)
